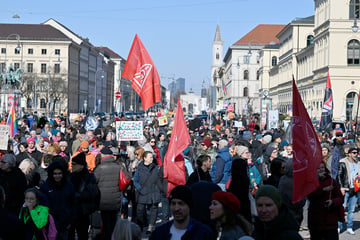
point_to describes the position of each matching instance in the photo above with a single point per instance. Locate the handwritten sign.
(4, 136)
(129, 130)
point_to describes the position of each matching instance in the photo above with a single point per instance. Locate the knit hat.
(276, 135)
(269, 150)
(9, 159)
(183, 193)
(258, 136)
(338, 133)
(246, 135)
(228, 199)
(97, 131)
(63, 143)
(267, 139)
(80, 159)
(207, 142)
(106, 151)
(223, 143)
(82, 131)
(326, 145)
(270, 192)
(30, 139)
(84, 144)
(241, 149)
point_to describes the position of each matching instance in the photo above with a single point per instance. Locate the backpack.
(49, 231)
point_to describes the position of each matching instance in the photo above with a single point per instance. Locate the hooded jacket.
(60, 196)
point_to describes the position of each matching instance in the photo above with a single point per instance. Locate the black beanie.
(80, 159)
(183, 193)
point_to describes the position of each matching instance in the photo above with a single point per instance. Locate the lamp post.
(18, 47)
(355, 27)
(102, 77)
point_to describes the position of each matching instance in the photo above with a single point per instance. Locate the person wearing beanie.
(246, 135)
(224, 210)
(220, 171)
(274, 220)
(90, 157)
(267, 138)
(206, 148)
(32, 152)
(182, 226)
(87, 196)
(14, 182)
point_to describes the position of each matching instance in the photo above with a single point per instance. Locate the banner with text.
(4, 136)
(129, 130)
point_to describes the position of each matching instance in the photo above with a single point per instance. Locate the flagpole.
(357, 111)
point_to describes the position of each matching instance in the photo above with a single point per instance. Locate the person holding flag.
(11, 121)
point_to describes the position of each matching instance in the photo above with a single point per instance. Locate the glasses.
(147, 128)
(354, 152)
(152, 141)
(230, 137)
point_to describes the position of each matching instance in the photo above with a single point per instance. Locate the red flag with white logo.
(174, 164)
(307, 150)
(141, 71)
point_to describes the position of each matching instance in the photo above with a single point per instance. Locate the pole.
(357, 111)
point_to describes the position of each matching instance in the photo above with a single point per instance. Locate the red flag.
(141, 71)
(174, 164)
(307, 150)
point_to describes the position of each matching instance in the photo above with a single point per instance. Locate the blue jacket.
(254, 175)
(220, 171)
(195, 230)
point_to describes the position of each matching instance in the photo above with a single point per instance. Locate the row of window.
(30, 67)
(31, 51)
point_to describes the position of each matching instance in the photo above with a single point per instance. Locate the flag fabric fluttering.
(328, 106)
(174, 164)
(307, 150)
(11, 121)
(224, 88)
(141, 71)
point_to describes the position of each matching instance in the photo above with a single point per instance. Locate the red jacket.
(321, 217)
(157, 154)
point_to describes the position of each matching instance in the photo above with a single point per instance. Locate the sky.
(177, 34)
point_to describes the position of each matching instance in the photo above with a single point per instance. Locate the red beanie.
(228, 199)
(207, 142)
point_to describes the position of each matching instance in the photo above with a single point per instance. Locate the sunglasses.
(152, 141)
(354, 152)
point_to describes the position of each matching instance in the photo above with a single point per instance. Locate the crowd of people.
(58, 179)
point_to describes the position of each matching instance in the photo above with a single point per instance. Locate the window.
(246, 75)
(257, 74)
(246, 59)
(29, 103)
(309, 40)
(30, 51)
(354, 9)
(30, 67)
(43, 51)
(17, 50)
(217, 56)
(2, 67)
(42, 103)
(57, 51)
(246, 92)
(353, 52)
(3, 50)
(273, 61)
(43, 68)
(16, 66)
(56, 68)
(29, 86)
(42, 86)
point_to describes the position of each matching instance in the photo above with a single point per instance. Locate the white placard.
(273, 119)
(129, 130)
(4, 136)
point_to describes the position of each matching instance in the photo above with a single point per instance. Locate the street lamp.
(18, 47)
(102, 77)
(355, 27)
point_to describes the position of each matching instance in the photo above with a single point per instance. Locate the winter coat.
(107, 178)
(195, 230)
(199, 175)
(282, 227)
(37, 155)
(87, 191)
(286, 192)
(233, 233)
(321, 217)
(34, 221)
(11, 227)
(14, 184)
(343, 176)
(60, 196)
(240, 185)
(220, 171)
(254, 175)
(146, 182)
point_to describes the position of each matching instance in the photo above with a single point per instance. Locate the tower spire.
(217, 37)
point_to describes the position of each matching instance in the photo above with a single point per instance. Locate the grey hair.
(27, 166)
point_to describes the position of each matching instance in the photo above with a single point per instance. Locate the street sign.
(118, 94)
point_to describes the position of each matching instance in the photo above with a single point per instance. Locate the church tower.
(217, 53)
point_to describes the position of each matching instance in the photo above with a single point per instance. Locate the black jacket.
(195, 230)
(198, 175)
(282, 227)
(343, 174)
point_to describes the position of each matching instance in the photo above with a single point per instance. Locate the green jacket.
(39, 216)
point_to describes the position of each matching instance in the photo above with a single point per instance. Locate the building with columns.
(309, 49)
